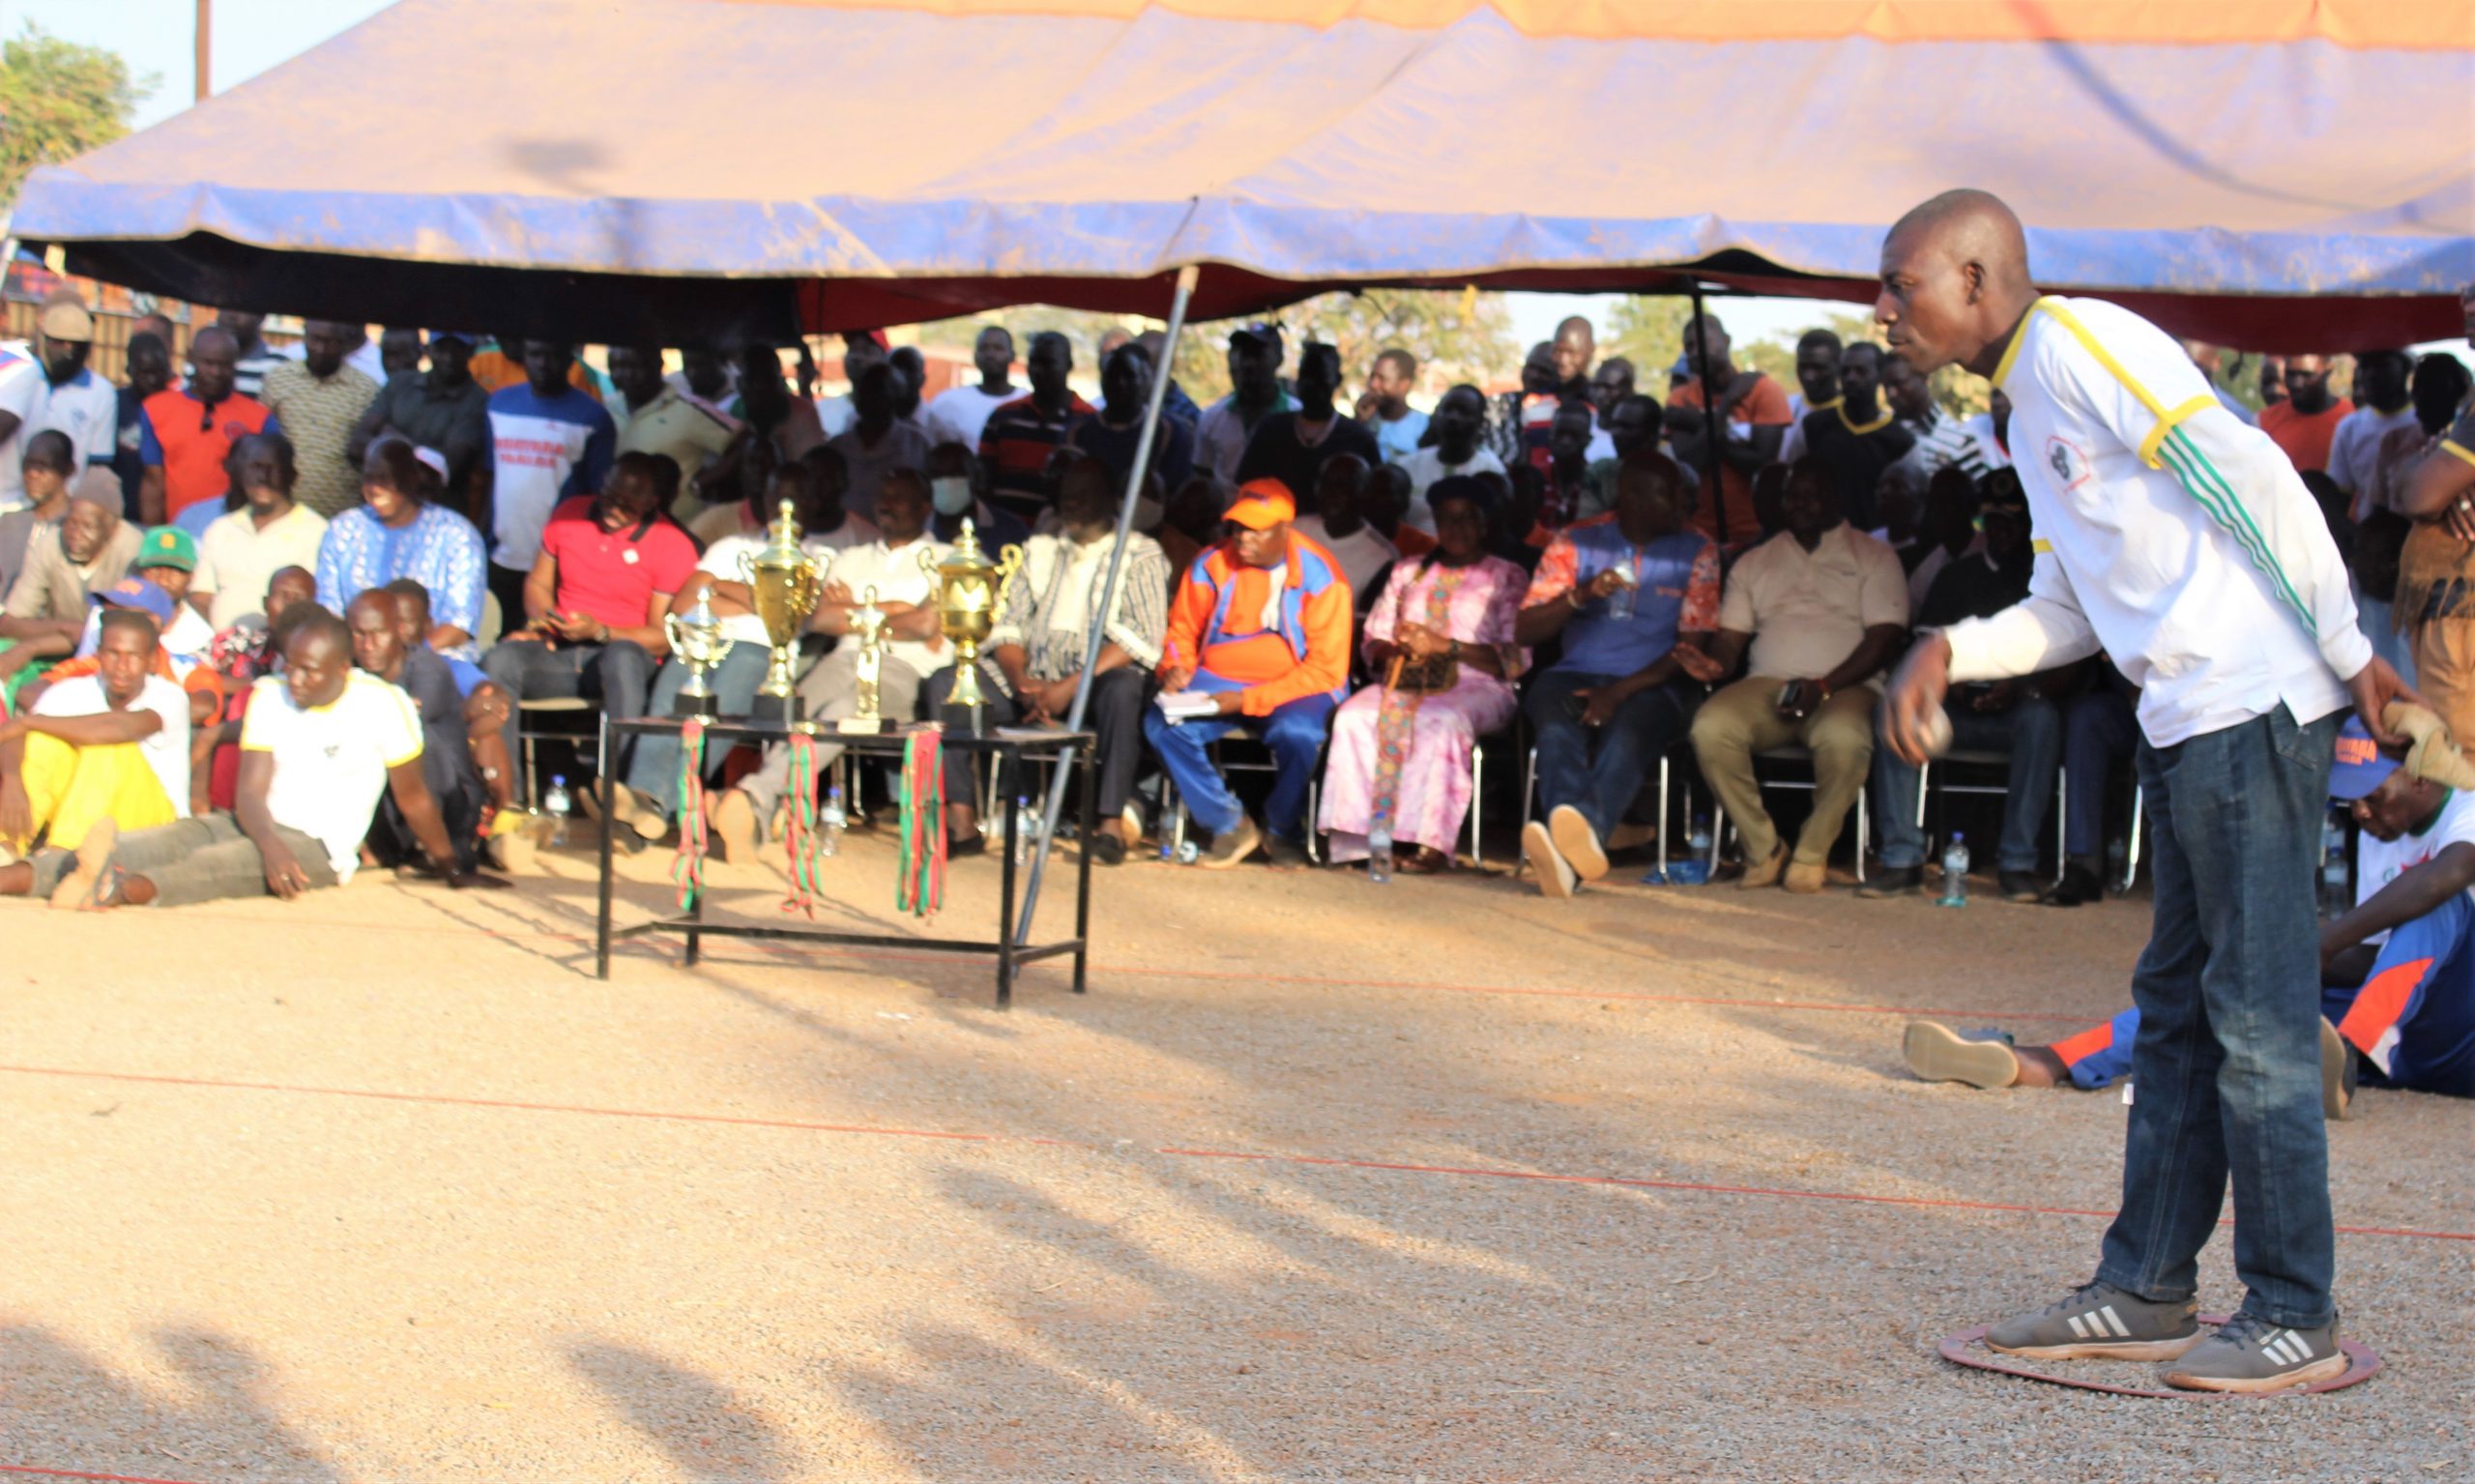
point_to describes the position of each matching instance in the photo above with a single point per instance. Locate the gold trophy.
(785, 582)
(868, 630)
(970, 589)
(696, 641)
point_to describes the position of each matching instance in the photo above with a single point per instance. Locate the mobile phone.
(1792, 696)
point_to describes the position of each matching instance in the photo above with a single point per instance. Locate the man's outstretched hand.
(1915, 693)
(2373, 687)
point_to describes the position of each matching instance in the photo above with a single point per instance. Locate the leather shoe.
(2078, 884)
(1767, 873)
(2019, 886)
(1892, 880)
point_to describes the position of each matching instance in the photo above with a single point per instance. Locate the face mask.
(952, 496)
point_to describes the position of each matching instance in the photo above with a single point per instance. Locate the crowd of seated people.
(1365, 588)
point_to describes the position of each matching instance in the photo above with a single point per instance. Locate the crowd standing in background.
(1367, 572)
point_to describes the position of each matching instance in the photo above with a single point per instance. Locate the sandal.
(1426, 861)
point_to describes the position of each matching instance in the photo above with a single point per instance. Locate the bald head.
(1955, 283)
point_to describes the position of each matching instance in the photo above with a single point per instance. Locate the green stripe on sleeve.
(2201, 479)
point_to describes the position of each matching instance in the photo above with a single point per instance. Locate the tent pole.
(1161, 376)
(1709, 419)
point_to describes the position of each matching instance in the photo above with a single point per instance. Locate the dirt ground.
(1322, 1181)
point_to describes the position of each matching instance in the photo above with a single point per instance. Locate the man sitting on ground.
(322, 742)
(2399, 971)
(113, 745)
(1261, 624)
(2015, 717)
(1822, 607)
(89, 550)
(379, 649)
(1634, 595)
(510, 832)
(594, 599)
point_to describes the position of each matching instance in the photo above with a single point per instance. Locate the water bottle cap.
(557, 779)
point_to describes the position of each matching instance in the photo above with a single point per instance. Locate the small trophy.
(970, 589)
(868, 630)
(785, 582)
(696, 641)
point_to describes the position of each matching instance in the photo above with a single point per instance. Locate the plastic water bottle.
(1189, 853)
(1699, 841)
(830, 821)
(558, 806)
(2118, 857)
(1027, 832)
(1167, 845)
(1954, 873)
(1379, 852)
(1619, 604)
(2333, 867)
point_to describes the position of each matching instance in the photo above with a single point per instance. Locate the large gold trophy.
(785, 582)
(970, 589)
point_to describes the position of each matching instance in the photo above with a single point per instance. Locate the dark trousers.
(507, 585)
(618, 675)
(2227, 1063)
(447, 767)
(1598, 769)
(2097, 728)
(1114, 716)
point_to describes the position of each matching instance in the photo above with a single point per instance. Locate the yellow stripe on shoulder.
(2450, 446)
(2041, 548)
(2168, 418)
(2170, 422)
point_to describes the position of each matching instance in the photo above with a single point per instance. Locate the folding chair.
(1719, 823)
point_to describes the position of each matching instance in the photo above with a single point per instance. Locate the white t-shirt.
(167, 752)
(21, 391)
(331, 762)
(1426, 466)
(895, 572)
(1363, 553)
(235, 559)
(2169, 534)
(189, 636)
(722, 559)
(86, 408)
(959, 414)
(835, 415)
(2378, 862)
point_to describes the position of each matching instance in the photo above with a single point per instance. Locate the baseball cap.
(469, 338)
(1262, 329)
(167, 546)
(2361, 764)
(69, 322)
(1263, 503)
(436, 461)
(139, 594)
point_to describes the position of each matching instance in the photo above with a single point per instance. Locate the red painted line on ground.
(785, 951)
(74, 1474)
(884, 1131)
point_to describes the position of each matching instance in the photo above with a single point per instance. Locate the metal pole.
(1711, 420)
(1060, 775)
(205, 48)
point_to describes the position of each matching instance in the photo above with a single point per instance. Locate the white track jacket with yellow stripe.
(2169, 533)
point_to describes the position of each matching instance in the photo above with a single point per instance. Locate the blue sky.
(251, 36)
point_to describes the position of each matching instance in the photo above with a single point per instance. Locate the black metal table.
(1009, 749)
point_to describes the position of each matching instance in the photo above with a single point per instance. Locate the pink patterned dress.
(1412, 752)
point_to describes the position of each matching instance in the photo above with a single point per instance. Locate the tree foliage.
(59, 100)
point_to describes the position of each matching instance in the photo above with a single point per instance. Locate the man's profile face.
(377, 646)
(316, 668)
(2399, 805)
(1388, 381)
(122, 658)
(1922, 307)
(412, 619)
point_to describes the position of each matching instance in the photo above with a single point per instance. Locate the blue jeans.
(1600, 782)
(2415, 1012)
(2227, 1061)
(616, 673)
(2097, 728)
(1294, 732)
(2032, 732)
(653, 772)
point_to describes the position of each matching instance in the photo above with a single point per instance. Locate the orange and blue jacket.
(1215, 626)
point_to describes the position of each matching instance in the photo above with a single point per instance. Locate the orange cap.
(1263, 503)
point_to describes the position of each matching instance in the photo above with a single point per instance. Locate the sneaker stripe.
(2078, 1329)
(2115, 1320)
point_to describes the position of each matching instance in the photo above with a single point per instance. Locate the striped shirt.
(318, 417)
(2169, 534)
(1015, 444)
(1049, 607)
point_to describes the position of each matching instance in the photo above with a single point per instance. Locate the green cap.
(167, 546)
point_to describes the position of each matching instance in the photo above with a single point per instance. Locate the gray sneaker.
(2252, 1354)
(2100, 1321)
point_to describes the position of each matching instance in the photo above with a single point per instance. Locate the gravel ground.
(382, 1185)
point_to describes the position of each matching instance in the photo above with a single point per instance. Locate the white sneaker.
(1555, 877)
(1577, 842)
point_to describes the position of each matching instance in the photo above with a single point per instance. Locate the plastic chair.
(1719, 823)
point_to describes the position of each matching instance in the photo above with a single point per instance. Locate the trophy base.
(860, 726)
(777, 710)
(707, 706)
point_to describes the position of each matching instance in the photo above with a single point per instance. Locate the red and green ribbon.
(800, 838)
(919, 883)
(687, 868)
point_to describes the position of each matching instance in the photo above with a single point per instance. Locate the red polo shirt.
(613, 576)
(190, 445)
